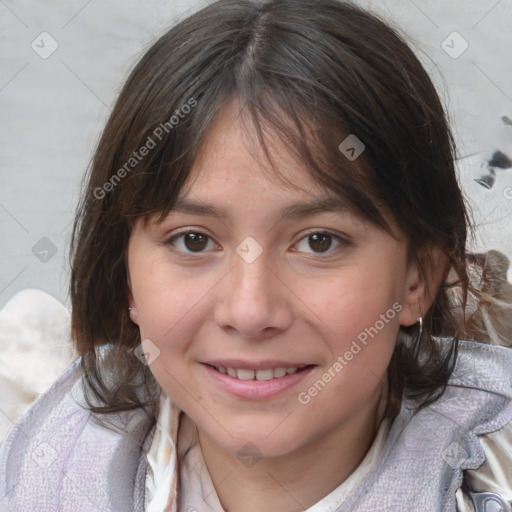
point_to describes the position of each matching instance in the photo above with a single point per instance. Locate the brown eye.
(320, 242)
(190, 242)
(195, 241)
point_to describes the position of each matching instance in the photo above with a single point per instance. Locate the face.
(267, 322)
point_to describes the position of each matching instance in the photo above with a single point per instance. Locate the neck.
(295, 481)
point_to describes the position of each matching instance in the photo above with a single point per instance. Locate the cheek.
(359, 326)
(164, 298)
(357, 316)
(355, 302)
(168, 306)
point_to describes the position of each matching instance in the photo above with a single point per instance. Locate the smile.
(263, 374)
(261, 383)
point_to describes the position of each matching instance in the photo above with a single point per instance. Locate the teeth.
(245, 374)
(261, 375)
(265, 374)
(279, 372)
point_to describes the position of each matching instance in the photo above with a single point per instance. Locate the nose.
(253, 301)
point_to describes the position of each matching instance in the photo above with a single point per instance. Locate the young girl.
(270, 288)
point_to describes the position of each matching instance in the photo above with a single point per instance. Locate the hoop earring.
(420, 320)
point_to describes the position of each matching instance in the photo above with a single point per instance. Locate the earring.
(132, 314)
(420, 320)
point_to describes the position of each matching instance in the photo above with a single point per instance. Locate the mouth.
(262, 374)
(260, 382)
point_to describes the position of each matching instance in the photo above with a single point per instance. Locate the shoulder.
(478, 397)
(428, 450)
(33, 445)
(60, 456)
(50, 408)
(487, 370)
(458, 430)
(477, 402)
(485, 367)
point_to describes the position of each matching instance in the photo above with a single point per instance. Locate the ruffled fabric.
(162, 473)
(495, 474)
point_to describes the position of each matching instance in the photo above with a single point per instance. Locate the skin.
(292, 303)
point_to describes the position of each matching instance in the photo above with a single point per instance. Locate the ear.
(132, 308)
(421, 287)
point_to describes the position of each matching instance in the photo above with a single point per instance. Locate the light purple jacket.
(57, 458)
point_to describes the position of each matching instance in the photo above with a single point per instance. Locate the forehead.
(234, 182)
(232, 155)
(236, 174)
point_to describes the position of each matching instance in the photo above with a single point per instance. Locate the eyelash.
(341, 241)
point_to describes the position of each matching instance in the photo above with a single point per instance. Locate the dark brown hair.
(298, 68)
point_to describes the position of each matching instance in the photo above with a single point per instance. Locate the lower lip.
(257, 389)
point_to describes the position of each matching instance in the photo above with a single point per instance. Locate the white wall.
(52, 110)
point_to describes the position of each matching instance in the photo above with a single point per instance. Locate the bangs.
(269, 123)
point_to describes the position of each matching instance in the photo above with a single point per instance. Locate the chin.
(261, 442)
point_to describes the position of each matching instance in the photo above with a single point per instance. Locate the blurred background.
(62, 64)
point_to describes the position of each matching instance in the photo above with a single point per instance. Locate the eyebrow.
(297, 210)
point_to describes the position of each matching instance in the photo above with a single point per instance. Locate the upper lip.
(239, 364)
